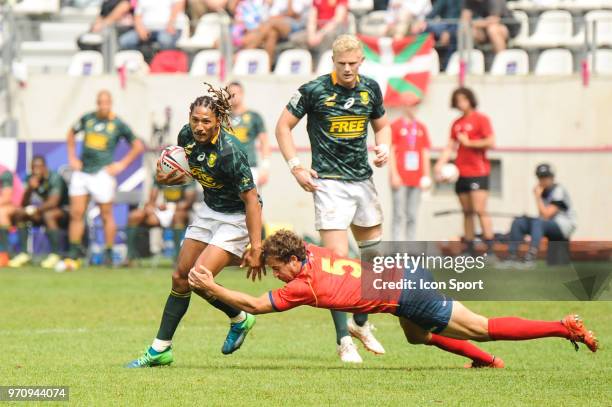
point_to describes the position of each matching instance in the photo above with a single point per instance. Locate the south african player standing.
(95, 171)
(339, 107)
(228, 220)
(249, 128)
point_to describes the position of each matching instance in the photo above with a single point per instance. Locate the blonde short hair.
(345, 43)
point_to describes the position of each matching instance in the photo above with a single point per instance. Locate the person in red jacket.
(471, 136)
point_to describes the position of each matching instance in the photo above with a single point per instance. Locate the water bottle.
(168, 246)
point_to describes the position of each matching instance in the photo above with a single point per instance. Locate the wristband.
(383, 148)
(293, 162)
(264, 164)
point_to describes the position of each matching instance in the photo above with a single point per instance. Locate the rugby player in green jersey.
(249, 128)
(227, 221)
(44, 202)
(339, 107)
(95, 171)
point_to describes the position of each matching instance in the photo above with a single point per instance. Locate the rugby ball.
(173, 158)
(449, 173)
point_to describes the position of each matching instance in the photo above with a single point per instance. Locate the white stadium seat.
(251, 62)
(474, 60)
(602, 65)
(325, 65)
(360, 6)
(206, 63)
(207, 33)
(555, 62)
(47, 56)
(523, 19)
(510, 62)
(435, 62)
(86, 63)
(553, 29)
(294, 62)
(600, 26)
(37, 7)
(133, 61)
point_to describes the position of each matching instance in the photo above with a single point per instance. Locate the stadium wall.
(535, 119)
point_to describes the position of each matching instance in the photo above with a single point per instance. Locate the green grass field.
(78, 329)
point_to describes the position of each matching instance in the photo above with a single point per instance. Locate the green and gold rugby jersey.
(101, 139)
(246, 127)
(174, 193)
(338, 124)
(221, 167)
(53, 184)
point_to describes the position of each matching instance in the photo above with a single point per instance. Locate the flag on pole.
(401, 67)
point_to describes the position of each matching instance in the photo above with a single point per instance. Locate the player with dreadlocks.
(229, 219)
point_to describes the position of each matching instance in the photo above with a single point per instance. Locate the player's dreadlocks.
(217, 100)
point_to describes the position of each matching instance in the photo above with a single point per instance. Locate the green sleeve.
(298, 104)
(56, 186)
(259, 124)
(238, 171)
(126, 132)
(6, 179)
(379, 108)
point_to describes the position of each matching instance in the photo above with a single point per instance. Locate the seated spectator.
(44, 202)
(445, 32)
(172, 211)
(406, 17)
(286, 17)
(158, 21)
(486, 18)
(249, 16)
(197, 8)
(9, 201)
(327, 19)
(113, 13)
(556, 218)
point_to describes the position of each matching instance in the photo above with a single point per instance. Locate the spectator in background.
(197, 8)
(113, 13)
(327, 19)
(159, 21)
(406, 17)
(471, 136)
(445, 32)
(172, 211)
(45, 202)
(486, 18)
(249, 16)
(556, 218)
(409, 172)
(286, 17)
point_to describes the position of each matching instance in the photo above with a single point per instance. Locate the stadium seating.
(206, 62)
(37, 7)
(523, 33)
(325, 65)
(294, 62)
(553, 29)
(85, 63)
(62, 32)
(207, 32)
(47, 57)
(554, 62)
(360, 7)
(510, 62)
(251, 62)
(474, 60)
(373, 23)
(435, 62)
(133, 61)
(602, 65)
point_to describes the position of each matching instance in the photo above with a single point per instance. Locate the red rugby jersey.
(472, 162)
(332, 282)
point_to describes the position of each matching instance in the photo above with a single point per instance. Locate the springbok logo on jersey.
(331, 100)
(212, 159)
(350, 102)
(365, 97)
